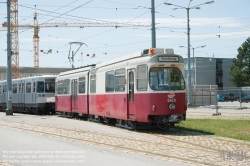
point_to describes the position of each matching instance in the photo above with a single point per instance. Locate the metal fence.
(207, 95)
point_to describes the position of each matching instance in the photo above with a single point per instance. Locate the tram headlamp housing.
(171, 106)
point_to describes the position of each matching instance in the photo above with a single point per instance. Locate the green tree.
(240, 69)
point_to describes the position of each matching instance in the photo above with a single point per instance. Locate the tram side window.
(50, 86)
(110, 79)
(93, 84)
(81, 85)
(142, 80)
(40, 87)
(66, 84)
(14, 88)
(60, 87)
(0, 89)
(28, 87)
(120, 80)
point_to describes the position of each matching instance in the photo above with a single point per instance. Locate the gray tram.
(32, 94)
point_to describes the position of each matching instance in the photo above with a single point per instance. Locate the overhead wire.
(91, 19)
(68, 11)
(108, 30)
(149, 40)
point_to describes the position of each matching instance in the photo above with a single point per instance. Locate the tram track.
(163, 148)
(102, 143)
(195, 140)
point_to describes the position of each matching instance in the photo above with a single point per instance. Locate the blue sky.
(229, 19)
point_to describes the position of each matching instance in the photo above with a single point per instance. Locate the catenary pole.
(153, 23)
(188, 34)
(188, 60)
(9, 110)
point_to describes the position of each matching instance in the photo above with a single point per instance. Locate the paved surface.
(29, 149)
(173, 146)
(234, 104)
(226, 113)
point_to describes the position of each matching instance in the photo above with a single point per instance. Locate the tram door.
(131, 94)
(21, 96)
(4, 99)
(34, 92)
(74, 96)
(1, 96)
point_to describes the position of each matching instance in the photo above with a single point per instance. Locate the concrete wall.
(226, 63)
(30, 71)
(205, 71)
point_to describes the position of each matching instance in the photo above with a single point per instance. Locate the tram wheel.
(37, 111)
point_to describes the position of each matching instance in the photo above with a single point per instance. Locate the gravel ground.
(175, 145)
(226, 113)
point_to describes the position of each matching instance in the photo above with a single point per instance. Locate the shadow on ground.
(177, 131)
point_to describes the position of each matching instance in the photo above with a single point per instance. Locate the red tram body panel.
(63, 103)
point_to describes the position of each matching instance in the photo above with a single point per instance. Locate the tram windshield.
(164, 79)
(48, 86)
(40, 87)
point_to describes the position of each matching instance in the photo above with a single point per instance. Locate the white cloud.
(45, 39)
(180, 22)
(237, 34)
(223, 22)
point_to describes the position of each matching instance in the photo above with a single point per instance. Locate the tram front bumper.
(176, 118)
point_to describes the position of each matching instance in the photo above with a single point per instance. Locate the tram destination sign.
(168, 59)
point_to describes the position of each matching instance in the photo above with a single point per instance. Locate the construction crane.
(37, 27)
(14, 38)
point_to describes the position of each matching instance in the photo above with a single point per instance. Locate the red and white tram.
(140, 90)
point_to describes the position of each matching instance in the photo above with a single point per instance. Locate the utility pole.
(153, 23)
(189, 72)
(188, 46)
(9, 110)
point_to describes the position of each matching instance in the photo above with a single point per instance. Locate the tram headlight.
(171, 106)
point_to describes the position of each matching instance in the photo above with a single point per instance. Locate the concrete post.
(9, 110)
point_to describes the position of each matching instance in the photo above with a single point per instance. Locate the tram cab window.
(142, 80)
(40, 87)
(176, 80)
(81, 85)
(49, 86)
(163, 79)
(120, 80)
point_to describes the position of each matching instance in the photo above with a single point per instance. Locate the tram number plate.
(172, 100)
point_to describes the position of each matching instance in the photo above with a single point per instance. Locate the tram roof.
(77, 70)
(144, 53)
